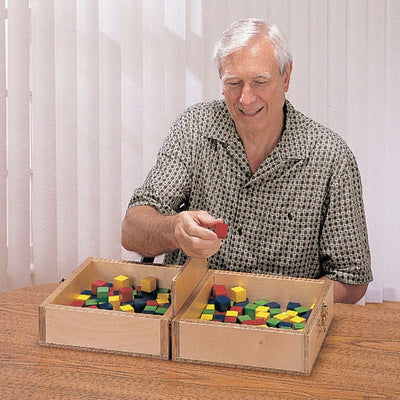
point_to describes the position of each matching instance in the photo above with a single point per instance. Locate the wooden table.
(360, 359)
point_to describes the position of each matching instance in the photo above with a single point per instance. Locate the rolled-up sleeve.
(345, 253)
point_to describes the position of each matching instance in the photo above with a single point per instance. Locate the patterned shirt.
(300, 214)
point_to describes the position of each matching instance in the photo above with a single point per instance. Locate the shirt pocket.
(289, 243)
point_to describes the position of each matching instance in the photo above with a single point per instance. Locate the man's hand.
(194, 235)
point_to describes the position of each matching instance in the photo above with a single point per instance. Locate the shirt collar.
(293, 144)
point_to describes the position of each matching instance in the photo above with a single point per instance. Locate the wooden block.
(126, 294)
(114, 300)
(297, 320)
(273, 304)
(97, 284)
(250, 310)
(222, 303)
(106, 306)
(238, 294)
(218, 317)
(127, 308)
(91, 302)
(242, 318)
(292, 313)
(219, 290)
(292, 305)
(206, 317)
(301, 310)
(273, 322)
(254, 322)
(120, 281)
(262, 309)
(149, 284)
(282, 317)
(275, 311)
(231, 313)
(77, 303)
(83, 297)
(286, 325)
(210, 307)
(263, 315)
(149, 309)
(230, 319)
(299, 326)
(261, 302)
(102, 294)
(238, 309)
(221, 230)
(161, 310)
(209, 311)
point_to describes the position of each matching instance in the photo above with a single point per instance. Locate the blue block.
(222, 303)
(218, 317)
(109, 284)
(287, 324)
(272, 304)
(292, 305)
(105, 306)
(307, 314)
(242, 303)
(87, 292)
(138, 305)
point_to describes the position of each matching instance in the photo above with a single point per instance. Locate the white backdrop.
(89, 88)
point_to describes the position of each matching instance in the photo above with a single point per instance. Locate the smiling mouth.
(250, 113)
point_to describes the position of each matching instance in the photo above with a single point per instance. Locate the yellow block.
(210, 307)
(83, 297)
(114, 300)
(149, 284)
(297, 319)
(161, 301)
(263, 315)
(230, 313)
(206, 317)
(127, 308)
(238, 294)
(163, 296)
(282, 317)
(292, 313)
(312, 306)
(121, 281)
(262, 309)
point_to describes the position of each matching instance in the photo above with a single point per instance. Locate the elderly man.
(288, 187)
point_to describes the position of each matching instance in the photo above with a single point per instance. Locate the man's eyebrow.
(228, 77)
(265, 75)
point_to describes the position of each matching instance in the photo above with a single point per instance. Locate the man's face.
(254, 88)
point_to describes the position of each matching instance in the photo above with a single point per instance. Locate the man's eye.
(261, 82)
(233, 83)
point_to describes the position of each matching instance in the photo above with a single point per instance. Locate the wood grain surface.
(360, 359)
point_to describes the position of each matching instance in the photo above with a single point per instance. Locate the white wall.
(109, 77)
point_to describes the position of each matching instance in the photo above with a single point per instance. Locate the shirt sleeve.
(168, 183)
(344, 247)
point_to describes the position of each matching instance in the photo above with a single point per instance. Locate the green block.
(274, 311)
(208, 311)
(273, 322)
(301, 310)
(161, 310)
(91, 302)
(102, 294)
(163, 290)
(261, 302)
(250, 310)
(243, 318)
(299, 325)
(285, 327)
(150, 308)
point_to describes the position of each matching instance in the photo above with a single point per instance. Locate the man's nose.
(248, 95)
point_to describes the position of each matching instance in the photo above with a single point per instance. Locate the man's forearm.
(345, 293)
(148, 232)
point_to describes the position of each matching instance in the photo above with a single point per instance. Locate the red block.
(125, 294)
(151, 303)
(96, 284)
(258, 321)
(78, 303)
(219, 290)
(221, 230)
(238, 309)
(231, 319)
(111, 291)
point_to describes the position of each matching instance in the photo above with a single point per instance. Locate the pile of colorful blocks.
(234, 307)
(120, 295)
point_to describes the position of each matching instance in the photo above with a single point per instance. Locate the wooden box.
(267, 348)
(87, 328)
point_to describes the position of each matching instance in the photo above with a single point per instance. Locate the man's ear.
(286, 76)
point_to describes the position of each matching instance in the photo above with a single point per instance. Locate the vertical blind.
(88, 90)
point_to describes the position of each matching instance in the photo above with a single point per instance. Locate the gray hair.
(239, 34)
